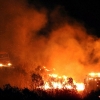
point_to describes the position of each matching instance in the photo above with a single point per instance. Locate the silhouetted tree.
(36, 80)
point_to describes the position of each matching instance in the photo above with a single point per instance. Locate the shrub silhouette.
(14, 93)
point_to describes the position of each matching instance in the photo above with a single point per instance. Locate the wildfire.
(55, 81)
(80, 86)
(94, 74)
(62, 82)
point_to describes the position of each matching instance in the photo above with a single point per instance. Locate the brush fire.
(62, 82)
(54, 81)
(46, 79)
(40, 37)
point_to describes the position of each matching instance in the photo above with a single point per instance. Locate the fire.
(46, 86)
(55, 81)
(53, 75)
(57, 85)
(61, 82)
(80, 86)
(92, 74)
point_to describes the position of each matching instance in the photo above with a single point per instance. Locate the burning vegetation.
(51, 81)
(36, 37)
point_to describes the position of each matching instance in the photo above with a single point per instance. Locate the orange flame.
(61, 82)
(92, 74)
(80, 86)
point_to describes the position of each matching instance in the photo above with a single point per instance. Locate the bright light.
(94, 74)
(1, 65)
(54, 81)
(65, 77)
(46, 86)
(60, 82)
(98, 74)
(69, 87)
(80, 86)
(9, 64)
(53, 75)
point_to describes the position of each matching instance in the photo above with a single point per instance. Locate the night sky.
(85, 12)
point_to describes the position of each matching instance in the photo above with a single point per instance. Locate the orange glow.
(67, 47)
(53, 75)
(55, 81)
(94, 74)
(46, 86)
(80, 86)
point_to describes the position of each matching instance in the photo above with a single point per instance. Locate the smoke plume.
(18, 35)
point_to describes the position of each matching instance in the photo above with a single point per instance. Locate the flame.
(53, 75)
(92, 74)
(46, 86)
(80, 86)
(55, 81)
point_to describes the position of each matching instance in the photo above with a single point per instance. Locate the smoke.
(73, 52)
(18, 36)
(65, 44)
(20, 28)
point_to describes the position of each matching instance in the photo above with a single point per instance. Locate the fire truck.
(92, 82)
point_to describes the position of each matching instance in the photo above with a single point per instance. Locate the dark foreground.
(14, 93)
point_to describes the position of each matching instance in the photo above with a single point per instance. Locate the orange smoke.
(68, 47)
(19, 26)
(70, 51)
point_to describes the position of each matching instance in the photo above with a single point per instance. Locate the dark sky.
(86, 12)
